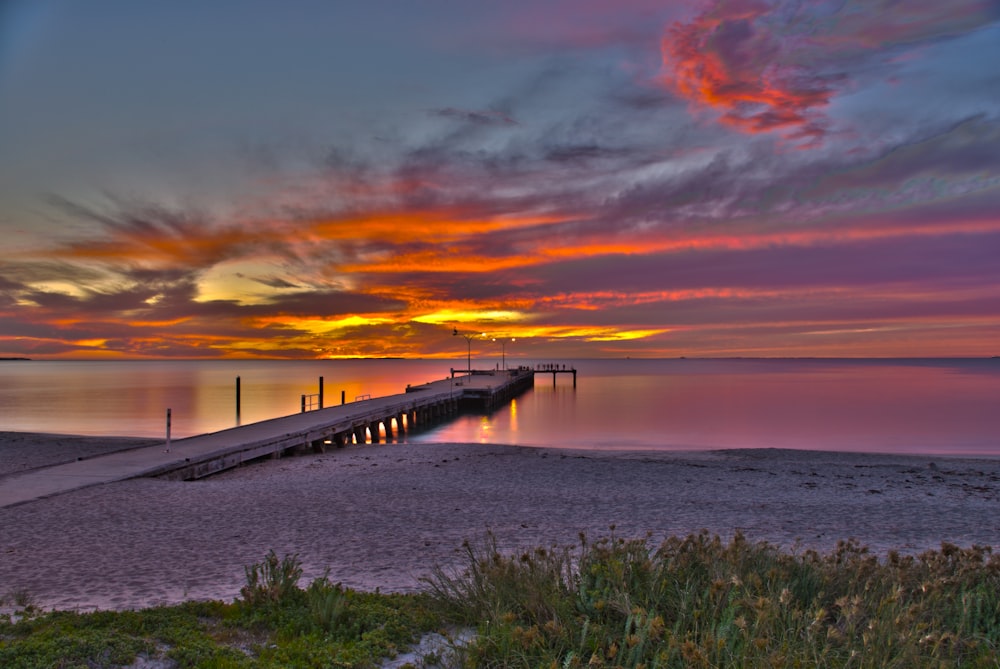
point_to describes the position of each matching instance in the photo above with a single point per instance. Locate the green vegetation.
(689, 602)
(274, 624)
(699, 602)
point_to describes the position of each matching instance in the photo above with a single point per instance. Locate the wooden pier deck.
(357, 422)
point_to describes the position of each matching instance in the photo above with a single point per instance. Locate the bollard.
(321, 392)
(237, 400)
(343, 398)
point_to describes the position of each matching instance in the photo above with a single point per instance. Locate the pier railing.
(554, 369)
(312, 402)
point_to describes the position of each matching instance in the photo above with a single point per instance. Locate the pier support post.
(237, 400)
(343, 397)
(168, 431)
(321, 392)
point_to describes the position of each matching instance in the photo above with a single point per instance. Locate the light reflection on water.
(946, 407)
(130, 398)
(911, 406)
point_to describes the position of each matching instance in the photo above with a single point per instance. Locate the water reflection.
(922, 406)
(512, 411)
(880, 406)
(129, 398)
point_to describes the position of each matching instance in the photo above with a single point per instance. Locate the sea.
(901, 406)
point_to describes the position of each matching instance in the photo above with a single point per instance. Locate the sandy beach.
(383, 516)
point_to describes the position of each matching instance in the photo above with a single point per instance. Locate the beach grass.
(694, 601)
(701, 602)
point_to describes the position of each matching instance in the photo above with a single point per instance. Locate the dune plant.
(698, 601)
(272, 581)
(327, 603)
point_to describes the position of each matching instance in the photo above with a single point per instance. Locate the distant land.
(15, 358)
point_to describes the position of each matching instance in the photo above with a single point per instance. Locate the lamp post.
(503, 350)
(468, 340)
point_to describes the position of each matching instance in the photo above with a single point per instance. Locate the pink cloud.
(729, 58)
(774, 67)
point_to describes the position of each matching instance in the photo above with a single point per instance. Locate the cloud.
(730, 58)
(489, 117)
(273, 281)
(157, 234)
(957, 160)
(617, 215)
(583, 153)
(776, 66)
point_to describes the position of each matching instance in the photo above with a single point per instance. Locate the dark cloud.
(272, 281)
(488, 117)
(584, 153)
(330, 304)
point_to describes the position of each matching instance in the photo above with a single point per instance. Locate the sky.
(569, 178)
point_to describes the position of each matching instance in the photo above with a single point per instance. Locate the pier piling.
(167, 449)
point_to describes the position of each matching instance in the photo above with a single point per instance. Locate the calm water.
(902, 406)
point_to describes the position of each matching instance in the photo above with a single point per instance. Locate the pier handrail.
(311, 402)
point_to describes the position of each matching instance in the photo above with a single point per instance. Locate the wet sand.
(383, 516)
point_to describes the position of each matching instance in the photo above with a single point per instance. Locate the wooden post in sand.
(168, 431)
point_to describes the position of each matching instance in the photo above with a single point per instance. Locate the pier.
(554, 369)
(359, 422)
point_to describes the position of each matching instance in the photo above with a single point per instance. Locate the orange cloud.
(776, 66)
(731, 59)
(441, 225)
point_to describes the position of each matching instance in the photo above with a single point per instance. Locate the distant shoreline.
(513, 359)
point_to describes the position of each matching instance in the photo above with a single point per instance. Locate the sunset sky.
(341, 178)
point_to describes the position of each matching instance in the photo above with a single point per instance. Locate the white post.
(168, 432)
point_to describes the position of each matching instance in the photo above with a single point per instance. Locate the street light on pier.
(503, 350)
(468, 340)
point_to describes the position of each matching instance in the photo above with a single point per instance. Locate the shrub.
(327, 604)
(698, 601)
(272, 581)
